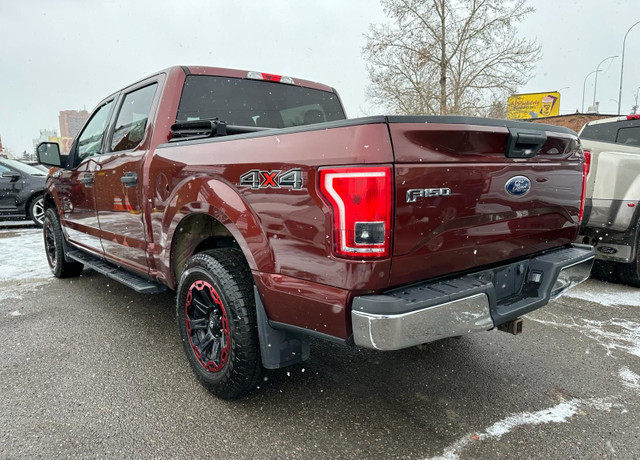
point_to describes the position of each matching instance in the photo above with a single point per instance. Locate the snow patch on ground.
(555, 414)
(613, 334)
(629, 378)
(559, 413)
(18, 290)
(22, 256)
(621, 296)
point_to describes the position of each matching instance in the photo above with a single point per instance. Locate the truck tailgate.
(473, 192)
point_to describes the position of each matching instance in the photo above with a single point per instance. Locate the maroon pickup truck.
(276, 219)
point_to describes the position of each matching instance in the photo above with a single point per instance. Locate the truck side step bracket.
(137, 283)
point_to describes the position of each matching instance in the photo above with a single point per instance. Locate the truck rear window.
(255, 103)
(625, 132)
(629, 136)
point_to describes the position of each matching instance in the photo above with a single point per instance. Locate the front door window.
(90, 140)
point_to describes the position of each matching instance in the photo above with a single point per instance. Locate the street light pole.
(624, 42)
(595, 85)
(635, 106)
(584, 85)
(558, 91)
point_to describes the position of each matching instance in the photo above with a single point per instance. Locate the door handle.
(129, 179)
(87, 179)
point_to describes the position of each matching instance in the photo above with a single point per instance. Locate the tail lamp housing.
(361, 200)
(585, 172)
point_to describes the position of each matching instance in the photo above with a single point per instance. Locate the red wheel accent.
(207, 323)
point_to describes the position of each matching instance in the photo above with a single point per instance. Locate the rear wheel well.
(197, 233)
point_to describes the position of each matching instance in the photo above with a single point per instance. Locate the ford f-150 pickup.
(612, 207)
(276, 219)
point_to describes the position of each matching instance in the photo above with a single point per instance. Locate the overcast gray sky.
(69, 54)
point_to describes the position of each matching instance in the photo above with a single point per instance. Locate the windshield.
(256, 103)
(24, 168)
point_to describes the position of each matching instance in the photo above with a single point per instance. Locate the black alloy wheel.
(54, 247)
(216, 316)
(50, 244)
(207, 326)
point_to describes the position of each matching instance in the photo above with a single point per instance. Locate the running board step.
(116, 273)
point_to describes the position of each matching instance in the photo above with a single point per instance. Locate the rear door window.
(255, 103)
(132, 119)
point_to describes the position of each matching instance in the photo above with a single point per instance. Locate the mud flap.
(278, 348)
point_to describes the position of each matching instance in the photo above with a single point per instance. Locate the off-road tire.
(54, 247)
(630, 273)
(36, 210)
(606, 271)
(222, 275)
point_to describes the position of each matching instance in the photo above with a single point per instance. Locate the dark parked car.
(21, 188)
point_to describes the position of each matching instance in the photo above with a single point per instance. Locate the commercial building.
(71, 121)
(46, 135)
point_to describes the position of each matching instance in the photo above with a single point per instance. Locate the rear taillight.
(360, 201)
(585, 172)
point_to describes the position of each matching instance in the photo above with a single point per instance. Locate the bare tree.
(448, 57)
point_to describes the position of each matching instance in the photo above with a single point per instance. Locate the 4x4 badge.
(258, 179)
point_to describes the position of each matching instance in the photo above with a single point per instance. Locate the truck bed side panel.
(286, 230)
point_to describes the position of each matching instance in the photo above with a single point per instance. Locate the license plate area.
(508, 281)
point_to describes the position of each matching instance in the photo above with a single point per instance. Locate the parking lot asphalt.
(90, 369)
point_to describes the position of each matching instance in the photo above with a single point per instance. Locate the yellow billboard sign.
(533, 105)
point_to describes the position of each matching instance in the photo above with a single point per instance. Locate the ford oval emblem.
(518, 186)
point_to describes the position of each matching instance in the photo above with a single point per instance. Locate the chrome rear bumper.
(429, 311)
(571, 276)
(393, 332)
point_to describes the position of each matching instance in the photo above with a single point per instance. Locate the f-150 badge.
(258, 179)
(415, 193)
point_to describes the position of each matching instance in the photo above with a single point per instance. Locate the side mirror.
(11, 175)
(49, 154)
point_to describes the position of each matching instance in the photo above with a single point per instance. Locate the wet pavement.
(90, 369)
